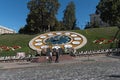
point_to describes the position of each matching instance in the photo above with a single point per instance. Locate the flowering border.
(8, 48)
(103, 41)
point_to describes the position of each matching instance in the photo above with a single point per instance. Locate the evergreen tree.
(42, 15)
(69, 19)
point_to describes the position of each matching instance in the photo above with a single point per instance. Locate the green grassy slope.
(97, 33)
(15, 40)
(90, 34)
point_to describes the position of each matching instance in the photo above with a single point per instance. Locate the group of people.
(50, 52)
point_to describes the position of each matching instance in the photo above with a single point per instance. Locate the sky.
(13, 13)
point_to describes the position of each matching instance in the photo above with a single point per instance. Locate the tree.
(109, 11)
(41, 16)
(58, 26)
(69, 19)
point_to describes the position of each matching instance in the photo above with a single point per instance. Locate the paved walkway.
(80, 68)
(68, 60)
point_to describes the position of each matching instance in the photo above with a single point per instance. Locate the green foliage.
(58, 26)
(69, 19)
(41, 16)
(109, 11)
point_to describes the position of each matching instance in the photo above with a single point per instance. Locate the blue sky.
(13, 13)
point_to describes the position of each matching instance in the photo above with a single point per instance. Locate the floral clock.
(63, 39)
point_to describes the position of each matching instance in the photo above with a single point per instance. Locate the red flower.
(16, 47)
(102, 39)
(6, 48)
(109, 41)
(97, 41)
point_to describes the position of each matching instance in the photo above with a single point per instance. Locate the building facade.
(95, 19)
(4, 30)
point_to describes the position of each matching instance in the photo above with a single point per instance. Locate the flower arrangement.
(103, 41)
(8, 48)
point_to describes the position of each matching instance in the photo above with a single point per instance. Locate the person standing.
(57, 56)
(60, 51)
(49, 54)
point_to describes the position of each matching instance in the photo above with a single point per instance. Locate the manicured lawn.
(107, 33)
(22, 40)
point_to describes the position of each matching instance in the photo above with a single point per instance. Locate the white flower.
(94, 41)
(100, 42)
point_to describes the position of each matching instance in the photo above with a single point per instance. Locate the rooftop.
(6, 28)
